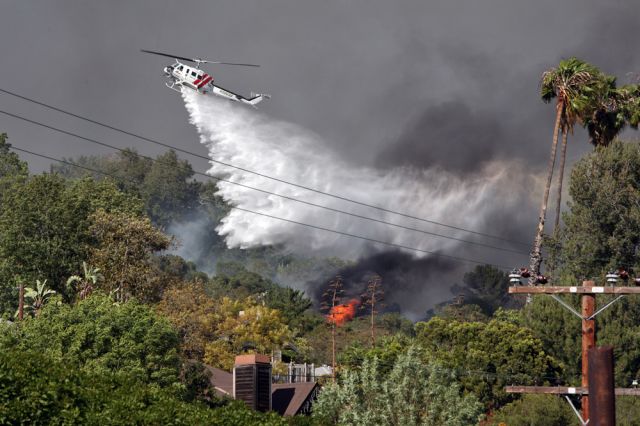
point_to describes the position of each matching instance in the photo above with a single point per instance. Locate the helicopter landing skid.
(172, 86)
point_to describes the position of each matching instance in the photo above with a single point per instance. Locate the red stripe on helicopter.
(205, 80)
(199, 79)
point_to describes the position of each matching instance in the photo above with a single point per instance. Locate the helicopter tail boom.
(254, 100)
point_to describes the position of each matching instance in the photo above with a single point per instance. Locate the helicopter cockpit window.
(180, 68)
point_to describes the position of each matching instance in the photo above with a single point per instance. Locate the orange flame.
(340, 314)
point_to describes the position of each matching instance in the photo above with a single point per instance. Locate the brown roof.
(289, 398)
(221, 380)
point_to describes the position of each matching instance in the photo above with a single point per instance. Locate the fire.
(340, 314)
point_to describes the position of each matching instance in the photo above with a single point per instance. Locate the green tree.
(488, 356)
(602, 232)
(386, 352)
(125, 244)
(536, 410)
(11, 167)
(412, 393)
(602, 227)
(244, 327)
(560, 332)
(467, 312)
(98, 336)
(128, 168)
(572, 84)
(488, 288)
(235, 281)
(193, 313)
(168, 189)
(44, 228)
(38, 389)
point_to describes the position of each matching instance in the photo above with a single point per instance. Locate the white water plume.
(249, 139)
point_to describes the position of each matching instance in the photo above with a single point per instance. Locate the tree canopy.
(412, 393)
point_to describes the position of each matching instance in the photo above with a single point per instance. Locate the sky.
(451, 85)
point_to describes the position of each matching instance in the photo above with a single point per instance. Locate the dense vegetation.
(117, 326)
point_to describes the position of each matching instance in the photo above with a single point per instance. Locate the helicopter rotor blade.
(167, 55)
(225, 63)
(197, 60)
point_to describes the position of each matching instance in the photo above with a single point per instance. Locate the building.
(251, 382)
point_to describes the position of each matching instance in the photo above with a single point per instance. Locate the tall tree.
(124, 249)
(602, 227)
(331, 299)
(572, 84)
(372, 299)
(11, 167)
(168, 189)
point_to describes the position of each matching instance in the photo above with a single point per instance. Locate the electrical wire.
(455, 258)
(339, 197)
(384, 222)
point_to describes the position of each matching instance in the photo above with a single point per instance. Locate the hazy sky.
(448, 83)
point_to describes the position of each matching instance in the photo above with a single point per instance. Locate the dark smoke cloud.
(411, 285)
(449, 135)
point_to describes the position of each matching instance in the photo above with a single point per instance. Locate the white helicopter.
(196, 79)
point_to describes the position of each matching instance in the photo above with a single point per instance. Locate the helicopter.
(182, 75)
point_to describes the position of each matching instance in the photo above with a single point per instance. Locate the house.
(251, 382)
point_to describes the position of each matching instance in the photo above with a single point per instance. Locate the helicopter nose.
(167, 70)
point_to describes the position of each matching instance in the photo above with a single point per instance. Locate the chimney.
(252, 381)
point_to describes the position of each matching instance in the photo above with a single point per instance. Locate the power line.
(339, 197)
(456, 258)
(309, 203)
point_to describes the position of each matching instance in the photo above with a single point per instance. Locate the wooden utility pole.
(588, 313)
(588, 340)
(602, 403)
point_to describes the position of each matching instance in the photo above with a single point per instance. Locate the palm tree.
(573, 84)
(39, 296)
(592, 96)
(616, 108)
(86, 283)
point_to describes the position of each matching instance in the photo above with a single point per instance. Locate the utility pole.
(602, 403)
(588, 340)
(588, 313)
